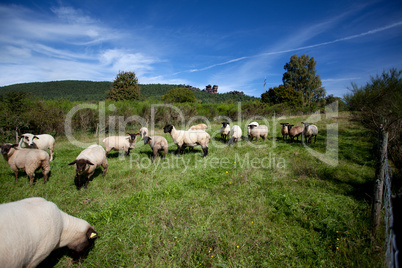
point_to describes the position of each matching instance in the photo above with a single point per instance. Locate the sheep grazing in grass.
(198, 127)
(284, 130)
(294, 131)
(225, 131)
(309, 131)
(183, 138)
(33, 227)
(157, 143)
(235, 134)
(42, 141)
(28, 160)
(121, 143)
(248, 128)
(257, 132)
(143, 132)
(87, 161)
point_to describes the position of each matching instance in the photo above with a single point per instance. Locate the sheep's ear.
(89, 163)
(72, 163)
(35, 137)
(92, 234)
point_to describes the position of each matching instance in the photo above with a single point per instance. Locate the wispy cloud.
(373, 31)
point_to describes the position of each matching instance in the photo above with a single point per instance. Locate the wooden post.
(380, 171)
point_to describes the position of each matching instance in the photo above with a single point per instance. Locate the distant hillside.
(96, 91)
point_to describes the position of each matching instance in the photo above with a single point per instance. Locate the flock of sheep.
(58, 229)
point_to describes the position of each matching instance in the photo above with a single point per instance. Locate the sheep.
(284, 130)
(309, 132)
(157, 143)
(198, 127)
(27, 159)
(143, 132)
(121, 143)
(294, 131)
(32, 228)
(87, 161)
(257, 132)
(42, 141)
(184, 138)
(248, 128)
(235, 134)
(225, 131)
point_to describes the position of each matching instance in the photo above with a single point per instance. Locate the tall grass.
(259, 204)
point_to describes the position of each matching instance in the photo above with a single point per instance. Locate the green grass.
(242, 206)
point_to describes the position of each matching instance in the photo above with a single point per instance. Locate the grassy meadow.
(258, 204)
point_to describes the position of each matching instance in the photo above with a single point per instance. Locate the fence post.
(380, 171)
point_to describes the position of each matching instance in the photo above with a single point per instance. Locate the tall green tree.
(179, 95)
(302, 76)
(124, 87)
(282, 94)
(379, 102)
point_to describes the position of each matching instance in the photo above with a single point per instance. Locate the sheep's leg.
(16, 175)
(87, 180)
(178, 149)
(31, 178)
(128, 152)
(205, 150)
(105, 166)
(315, 138)
(51, 155)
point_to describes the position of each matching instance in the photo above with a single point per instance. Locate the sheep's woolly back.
(199, 127)
(236, 132)
(94, 153)
(32, 228)
(119, 143)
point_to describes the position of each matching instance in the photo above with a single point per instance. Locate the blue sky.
(232, 44)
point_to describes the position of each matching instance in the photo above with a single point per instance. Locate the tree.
(282, 94)
(379, 104)
(301, 75)
(179, 95)
(124, 87)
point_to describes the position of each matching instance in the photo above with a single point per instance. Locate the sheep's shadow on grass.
(117, 154)
(81, 183)
(54, 258)
(38, 176)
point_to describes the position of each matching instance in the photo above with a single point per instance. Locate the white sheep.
(198, 127)
(294, 131)
(225, 131)
(42, 141)
(121, 143)
(157, 143)
(87, 161)
(143, 132)
(309, 131)
(235, 134)
(284, 130)
(33, 227)
(248, 128)
(258, 131)
(183, 138)
(27, 159)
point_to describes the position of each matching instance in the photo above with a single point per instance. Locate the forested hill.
(96, 91)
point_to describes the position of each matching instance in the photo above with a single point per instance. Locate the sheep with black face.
(183, 138)
(87, 161)
(157, 143)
